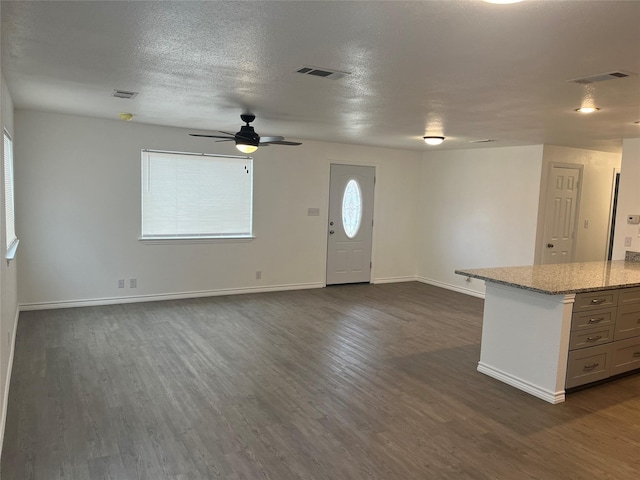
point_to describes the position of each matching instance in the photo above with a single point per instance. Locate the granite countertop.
(562, 278)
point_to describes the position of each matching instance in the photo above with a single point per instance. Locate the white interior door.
(563, 193)
(350, 226)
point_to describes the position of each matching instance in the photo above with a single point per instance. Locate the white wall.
(628, 199)
(595, 199)
(8, 277)
(78, 210)
(479, 208)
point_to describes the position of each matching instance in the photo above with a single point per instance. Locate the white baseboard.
(166, 296)
(535, 390)
(5, 399)
(412, 278)
(448, 286)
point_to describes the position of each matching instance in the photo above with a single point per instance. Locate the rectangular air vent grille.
(321, 72)
(601, 77)
(124, 94)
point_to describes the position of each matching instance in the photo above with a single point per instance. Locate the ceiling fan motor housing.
(247, 136)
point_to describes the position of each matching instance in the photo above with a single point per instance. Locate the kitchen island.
(547, 328)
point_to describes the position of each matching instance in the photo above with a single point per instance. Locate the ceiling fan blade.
(227, 133)
(283, 142)
(270, 139)
(210, 136)
(225, 140)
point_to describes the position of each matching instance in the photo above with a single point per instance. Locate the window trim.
(196, 239)
(12, 247)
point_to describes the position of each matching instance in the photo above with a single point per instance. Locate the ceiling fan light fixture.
(245, 148)
(433, 140)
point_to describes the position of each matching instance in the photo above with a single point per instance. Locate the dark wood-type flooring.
(348, 382)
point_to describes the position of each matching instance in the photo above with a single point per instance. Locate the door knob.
(331, 232)
(549, 245)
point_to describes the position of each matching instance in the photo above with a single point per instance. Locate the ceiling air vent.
(601, 77)
(321, 72)
(124, 94)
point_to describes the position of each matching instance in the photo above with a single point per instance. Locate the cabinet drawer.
(626, 356)
(595, 318)
(594, 300)
(588, 365)
(629, 296)
(590, 338)
(627, 322)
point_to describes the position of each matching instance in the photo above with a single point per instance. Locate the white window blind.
(196, 195)
(9, 212)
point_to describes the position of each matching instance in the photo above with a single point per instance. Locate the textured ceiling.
(468, 70)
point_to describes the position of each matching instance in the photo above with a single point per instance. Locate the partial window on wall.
(196, 196)
(9, 211)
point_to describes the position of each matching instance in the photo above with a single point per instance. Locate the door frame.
(326, 216)
(542, 207)
(615, 179)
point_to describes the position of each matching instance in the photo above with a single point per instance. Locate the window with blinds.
(191, 196)
(9, 211)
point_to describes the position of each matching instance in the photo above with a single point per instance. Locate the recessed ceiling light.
(587, 109)
(433, 140)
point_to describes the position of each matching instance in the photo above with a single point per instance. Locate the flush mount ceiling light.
(433, 140)
(587, 109)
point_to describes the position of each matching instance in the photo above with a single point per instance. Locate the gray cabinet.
(605, 335)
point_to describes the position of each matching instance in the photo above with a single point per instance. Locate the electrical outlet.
(258, 274)
(586, 224)
(627, 241)
(133, 283)
(121, 283)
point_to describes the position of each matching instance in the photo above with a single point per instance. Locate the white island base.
(525, 339)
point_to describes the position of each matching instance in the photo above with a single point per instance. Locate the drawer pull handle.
(594, 339)
(598, 301)
(592, 366)
(596, 320)
(636, 354)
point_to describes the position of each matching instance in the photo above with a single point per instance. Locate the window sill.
(187, 240)
(12, 250)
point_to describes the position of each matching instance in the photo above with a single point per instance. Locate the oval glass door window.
(351, 208)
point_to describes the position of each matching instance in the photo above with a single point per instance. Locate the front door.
(350, 226)
(563, 193)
